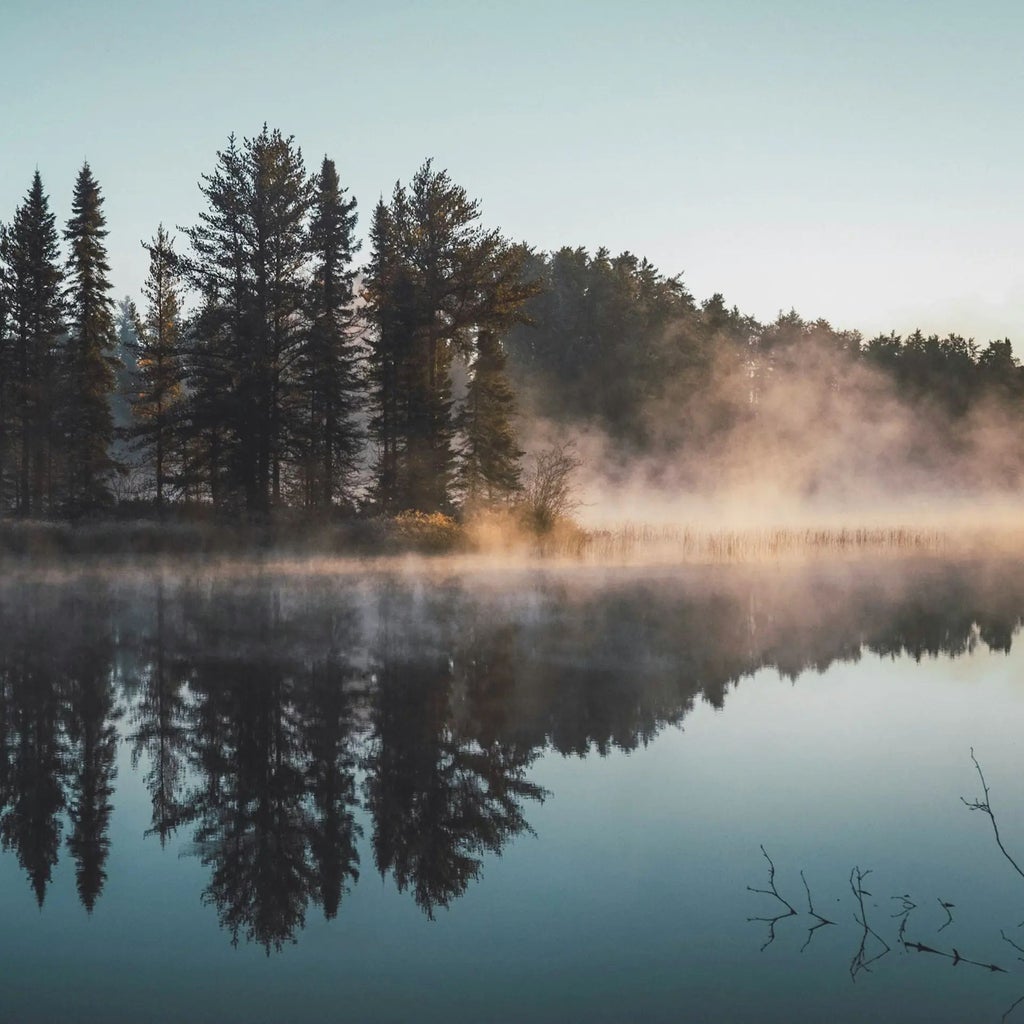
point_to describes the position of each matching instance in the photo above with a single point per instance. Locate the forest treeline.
(264, 367)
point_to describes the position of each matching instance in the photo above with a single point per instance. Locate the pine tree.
(249, 264)
(29, 253)
(489, 467)
(158, 398)
(435, 277)
(89, 362)
(390, 295)
(331, 379)
(214, 375)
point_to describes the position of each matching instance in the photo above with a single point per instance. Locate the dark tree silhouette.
(89, 362)
(435, 276)
(328, 434)
(157, 401)
(30, 285)
(249, 254)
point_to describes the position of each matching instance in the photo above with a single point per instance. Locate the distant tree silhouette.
(89, 363)
(328, 434)
(249, 253)
(434, 277)
(30, 293)
(158, 398)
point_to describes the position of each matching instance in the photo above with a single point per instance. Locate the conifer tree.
(329, 436)
(158, 397)
(32, 293)
(249, 262)
(390, 295)
(490, 453)
(89, 361)
(435, 277)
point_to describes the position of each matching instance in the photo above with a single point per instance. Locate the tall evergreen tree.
(32, 293)
(159, 394)
(249, 262)
(89, 363)
(435, 277)
(329, 437)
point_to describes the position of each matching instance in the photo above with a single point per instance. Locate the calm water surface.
(510, 796)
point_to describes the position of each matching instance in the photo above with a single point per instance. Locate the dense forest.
(264, 368)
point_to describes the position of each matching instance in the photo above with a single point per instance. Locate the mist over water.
(362, 775)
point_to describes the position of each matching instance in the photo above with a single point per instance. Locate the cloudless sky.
(860, 161)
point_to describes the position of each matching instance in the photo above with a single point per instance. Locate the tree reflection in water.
(270, 715)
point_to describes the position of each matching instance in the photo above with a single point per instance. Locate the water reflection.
(269, 716)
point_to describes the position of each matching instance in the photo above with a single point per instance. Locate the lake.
(723, 793)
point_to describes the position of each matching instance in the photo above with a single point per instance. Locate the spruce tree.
(158, 397)
(89, 361)
(33, 278)
(329, 436)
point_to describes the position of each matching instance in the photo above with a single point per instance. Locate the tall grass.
(690, 544)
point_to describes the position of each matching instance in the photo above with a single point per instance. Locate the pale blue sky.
(860, 161)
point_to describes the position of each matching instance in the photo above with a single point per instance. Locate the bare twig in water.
(861, 961)
(1010, 1010)
(906, 906)
(986, 806)
(956, 956)
(772, 891)
(947, 907)
(822, 921)
(1020, 949)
